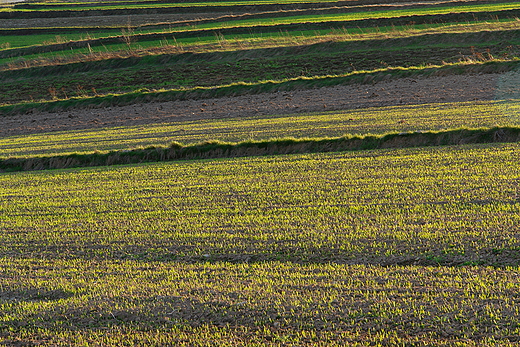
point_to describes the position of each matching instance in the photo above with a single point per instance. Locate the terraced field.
(280, 42)
(312, 180)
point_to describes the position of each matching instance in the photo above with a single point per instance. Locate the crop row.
(323, 21)
(220, 6)
(263, 127)
(220, 68)
(241, 88)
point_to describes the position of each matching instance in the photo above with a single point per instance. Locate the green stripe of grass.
(152, 4)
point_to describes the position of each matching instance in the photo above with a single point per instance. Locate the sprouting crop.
(292, 248)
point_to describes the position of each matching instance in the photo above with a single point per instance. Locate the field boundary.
(218, 149)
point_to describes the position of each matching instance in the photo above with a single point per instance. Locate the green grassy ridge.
(187, 76)
(476, 39)
(60, 30)
(217, 149)
(269, 15)
(117, 2)
(201, 7)
(39, 4)
(167, 71)
(144, 69)
(161, 26)
(140, 96)
(220, 19)
(220, 6)
(271, 28)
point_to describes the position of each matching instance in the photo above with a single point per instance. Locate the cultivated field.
(345, 173)
(388, 247)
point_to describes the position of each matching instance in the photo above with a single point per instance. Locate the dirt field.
(386, 93)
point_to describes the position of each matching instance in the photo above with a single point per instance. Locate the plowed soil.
(386, 93)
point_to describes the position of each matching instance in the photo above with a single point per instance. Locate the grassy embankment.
(376, 121)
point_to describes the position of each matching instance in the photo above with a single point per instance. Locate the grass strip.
(242, 88)
(226, 18)
(181, 6)
(217, 149)
(421, 41)
(310, 304)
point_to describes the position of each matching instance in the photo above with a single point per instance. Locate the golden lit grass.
(266, 251)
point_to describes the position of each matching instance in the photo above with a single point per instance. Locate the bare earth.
(386, 93)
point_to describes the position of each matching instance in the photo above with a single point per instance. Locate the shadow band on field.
(409, 254)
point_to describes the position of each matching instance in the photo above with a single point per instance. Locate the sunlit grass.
(370, 14)
(445, 205)
(356, 15)
(18, 41)
(266, 250)
(92, 5)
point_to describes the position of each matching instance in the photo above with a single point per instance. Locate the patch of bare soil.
(385, 93)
